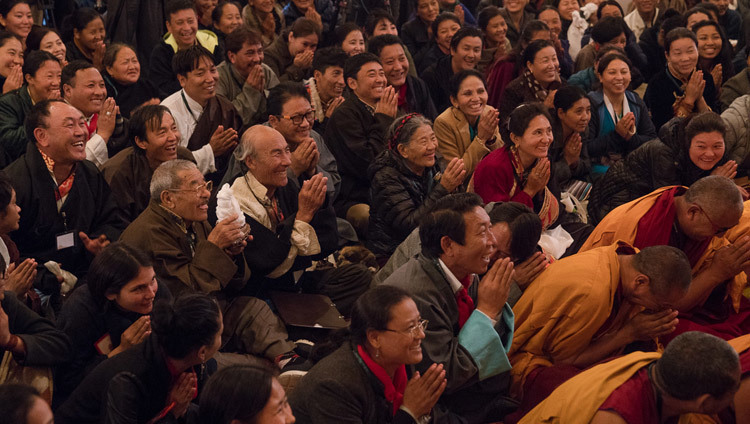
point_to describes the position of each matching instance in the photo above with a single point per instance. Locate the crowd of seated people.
(514, 211)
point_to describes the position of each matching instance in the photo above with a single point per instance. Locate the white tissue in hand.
(226, 206)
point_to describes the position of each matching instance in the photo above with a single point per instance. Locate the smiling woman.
(122, 73)
(15, 17)
(88, 37)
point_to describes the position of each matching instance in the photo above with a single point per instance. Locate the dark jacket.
(399, 199)
(563, 173)
(515, 93)
(132, 387)
(657, 163)
(341, 389)
(612, 144)
(138, 23)
(278, 58)
(325, 8)
(13, 109)
(415, 37)
(45, 345)
(427, 56)
(89, 207)
(355, 136)
(436, 77)
(161, 74)
(418, 99)
(661, 91)
(650, 47)
(129, 97)
(72, 52)
(514, 34)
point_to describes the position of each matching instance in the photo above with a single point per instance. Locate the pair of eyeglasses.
(717, 229)
(297, 119)
(198, 190)
(414, 330)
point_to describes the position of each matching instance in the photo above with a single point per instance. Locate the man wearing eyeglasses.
(694, 220)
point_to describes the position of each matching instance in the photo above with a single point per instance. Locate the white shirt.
(186, 119)
(636, 24)
(96, 147)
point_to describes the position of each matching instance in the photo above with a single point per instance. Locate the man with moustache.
(326, 86)
(207, 123)
(244, 79)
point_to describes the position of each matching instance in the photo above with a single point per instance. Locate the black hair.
(113, 268)
(7, 5)
(608, 49)
(189, 59)
(525, 228)
(725, 54)
(454, 84)
(372, 311)
(355, 63)
(695, 10)
(567, 96)
(238, 392)
(522, 115)
(528, 31)
(345, 29)
(16, 400)
(303, 27)
(529, 53)
(678, 34)
(375, 16)
(672, 22)
(174, 6)
(609, 58)
(444, 16)
(282, 93)
(82, 17)
(218, 11)
(705, 122)
(486, 15)
(190, 322)
(445, 219)
(6, 192)
(605, 3)
(243, 34)
(607, 29)
(711, 9)
(143, 119)
(70, 70)
(376, 45)
(328, 56)
(38, 115)
(35, 37)
(35, 60)
(5, 36)
(110, 55)
(465, 32)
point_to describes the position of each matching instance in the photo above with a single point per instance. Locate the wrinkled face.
(611, 10)
(427, 10)
(567, 7)
(263, 6)
(419, 152)
(618, 41)
(553, 21)
(87, 91)
(445, 32)
(303, 5)
(161, 142)
(467, 53)
(190, 200)
(695, 18)
(52, 44)
(65, 135)
(200, 83)
(723, 6)
(709, 42)
(354, 43)
(248, 57)
(536, 139)
(271, 160)
(293, 134)
(385, 26)
(616, 77)
(40, 412)
(45, 83)
(645, 6)
(701, 223)
(401, 342)
(298, 45)
(706, 149)
(515, 6)
(18, 21)
(472, 97)
(496, 29)
(370, 82)
(183, 25)
(683, 56)
(126, 69)
(545, 66)
(230, 18)
(139, 293)
(331, 82)
(11, 55)
(503, 238)
(277, 409)
(92, 35)
(577, 116)
(395, 64)
(479, 245)
(11, 216)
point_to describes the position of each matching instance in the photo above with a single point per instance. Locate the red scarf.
(64, 187)
(402, 96)
(655, 227)
(91, 126)
(464, 301)
(393, 389)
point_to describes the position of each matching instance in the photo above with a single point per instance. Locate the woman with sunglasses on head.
(365, 379)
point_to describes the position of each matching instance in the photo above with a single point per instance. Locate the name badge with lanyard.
(67, 238)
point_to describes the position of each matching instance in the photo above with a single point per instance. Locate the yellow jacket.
(454, 140)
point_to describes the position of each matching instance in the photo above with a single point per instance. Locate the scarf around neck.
(393, 389)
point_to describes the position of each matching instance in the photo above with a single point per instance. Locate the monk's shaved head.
(667, 268)
(696, 364)
(718, 196)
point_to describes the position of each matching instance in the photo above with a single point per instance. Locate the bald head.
(667, 268)
(696, 364)
(266, 154)
(717, 195)
(251, 138)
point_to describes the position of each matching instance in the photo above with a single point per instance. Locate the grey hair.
(246, 146)
(165, 176)
(717, 194)
(403, 128)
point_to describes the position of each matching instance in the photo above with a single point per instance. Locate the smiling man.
(413, 95)
(244, 79)
(326, 86)
(182, 32)
(207, 123)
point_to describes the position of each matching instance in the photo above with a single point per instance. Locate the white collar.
(192, 103)
(452, 280)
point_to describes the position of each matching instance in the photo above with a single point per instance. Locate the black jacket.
(418, 99)
(436, 77)
(161, 74)
(415, 37)
(399, 199)
(129, 97)
(13, 109)
(661, 91)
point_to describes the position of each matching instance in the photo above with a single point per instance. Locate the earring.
(377, 354)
